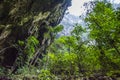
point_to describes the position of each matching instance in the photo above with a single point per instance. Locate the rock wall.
(20, 19)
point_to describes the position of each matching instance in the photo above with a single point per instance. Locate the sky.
(77, 6)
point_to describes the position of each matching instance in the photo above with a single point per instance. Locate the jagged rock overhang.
(20, 19)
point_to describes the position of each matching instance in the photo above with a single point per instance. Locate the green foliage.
(58, 28)
(72, 55)
(78, 32)
(21, 43)
(99, 53)
(103, 26)
(31, 45)
(68, 62)
(26, 50)
(46, 75)
(55, 30)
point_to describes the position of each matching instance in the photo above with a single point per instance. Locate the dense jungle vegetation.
(74, 57)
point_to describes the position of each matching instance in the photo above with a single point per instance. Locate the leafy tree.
(103, 26)
(74, 55)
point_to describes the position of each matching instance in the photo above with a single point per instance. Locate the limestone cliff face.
(20, 19)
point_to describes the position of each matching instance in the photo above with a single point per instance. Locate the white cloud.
(77, 6)
(115, 1)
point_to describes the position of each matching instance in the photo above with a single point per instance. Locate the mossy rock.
(20, 19)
